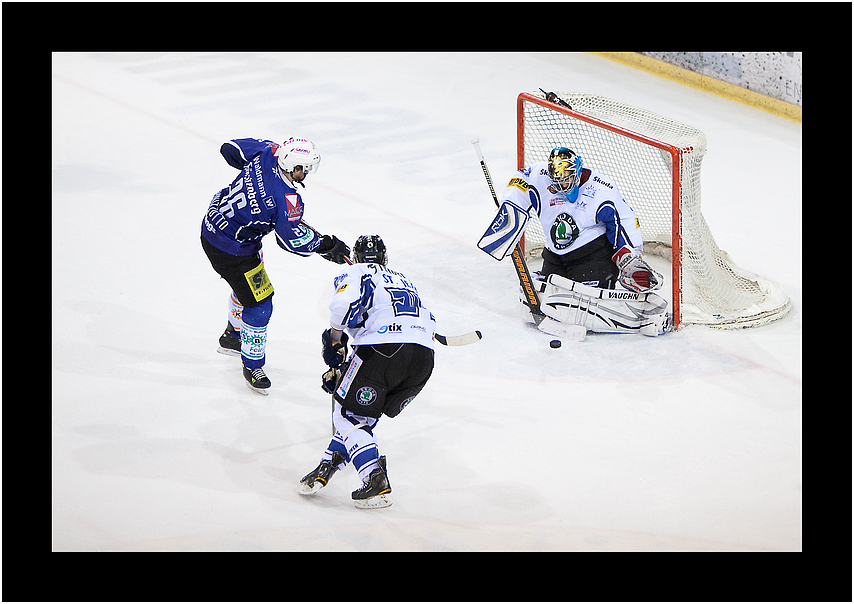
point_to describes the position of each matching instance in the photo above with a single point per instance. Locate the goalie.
(593, 242)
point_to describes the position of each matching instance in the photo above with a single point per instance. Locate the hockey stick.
(532, 300)
(467, 338)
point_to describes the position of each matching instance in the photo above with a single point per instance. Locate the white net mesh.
(636, 148)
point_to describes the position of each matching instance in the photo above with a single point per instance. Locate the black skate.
(229, 342)
(319, 477)
(375, 491)
(257, 380)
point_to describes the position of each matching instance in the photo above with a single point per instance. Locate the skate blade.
(228, 352)
(258, 390)
(374, 503)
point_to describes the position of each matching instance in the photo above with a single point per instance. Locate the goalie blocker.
(504, 233)
(603, 310)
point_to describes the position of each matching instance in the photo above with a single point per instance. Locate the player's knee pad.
(259, 314)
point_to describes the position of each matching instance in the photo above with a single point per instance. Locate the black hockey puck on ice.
(555, 343)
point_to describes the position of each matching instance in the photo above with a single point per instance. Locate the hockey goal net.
(655, 163)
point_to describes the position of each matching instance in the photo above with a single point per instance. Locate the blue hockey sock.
(253, 334)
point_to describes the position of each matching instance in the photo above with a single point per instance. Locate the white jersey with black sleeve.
(376, 305)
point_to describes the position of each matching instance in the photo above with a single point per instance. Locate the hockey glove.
(330, 380)
(334, 353)
(635, 274)
(333, 249)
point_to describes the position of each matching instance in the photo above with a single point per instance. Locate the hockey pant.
(603, 310)
(354, 439)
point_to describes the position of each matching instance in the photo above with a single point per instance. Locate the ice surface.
(690, 441)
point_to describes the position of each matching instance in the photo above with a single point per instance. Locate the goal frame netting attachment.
(655, 163)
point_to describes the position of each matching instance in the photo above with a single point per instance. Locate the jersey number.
(235, 197)
(405, 302)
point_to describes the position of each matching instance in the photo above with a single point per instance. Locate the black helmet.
(370, 248)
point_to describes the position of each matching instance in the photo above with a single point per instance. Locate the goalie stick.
(462, 340)
(532, 299)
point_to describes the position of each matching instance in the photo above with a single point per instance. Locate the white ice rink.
(691, 441)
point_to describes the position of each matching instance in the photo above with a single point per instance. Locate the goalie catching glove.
(635, 274)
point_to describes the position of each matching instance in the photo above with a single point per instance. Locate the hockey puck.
(555, 343)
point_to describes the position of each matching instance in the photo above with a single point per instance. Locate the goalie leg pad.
(603, 310)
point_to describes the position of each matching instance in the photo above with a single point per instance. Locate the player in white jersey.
(591, 231)
(593, 242)
(379, 312)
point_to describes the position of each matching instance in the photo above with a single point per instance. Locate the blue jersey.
(258, 201)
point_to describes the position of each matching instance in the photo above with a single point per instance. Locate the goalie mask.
(565, 170)
(370, 249)
(298, 152)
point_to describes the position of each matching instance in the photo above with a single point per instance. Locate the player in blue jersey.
(262, 199)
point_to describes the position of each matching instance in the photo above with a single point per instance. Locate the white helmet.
(298, 152)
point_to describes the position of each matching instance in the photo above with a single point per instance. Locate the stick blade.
(468, 338)
(575, 333)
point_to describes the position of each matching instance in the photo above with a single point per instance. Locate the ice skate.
(229, 342)
(257, 380)
(375, 492)
(319, 477)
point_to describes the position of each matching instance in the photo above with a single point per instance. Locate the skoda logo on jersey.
(366, 395)
(564, 231)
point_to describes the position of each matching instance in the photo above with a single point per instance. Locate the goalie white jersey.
(377, 305)
(598, 209)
